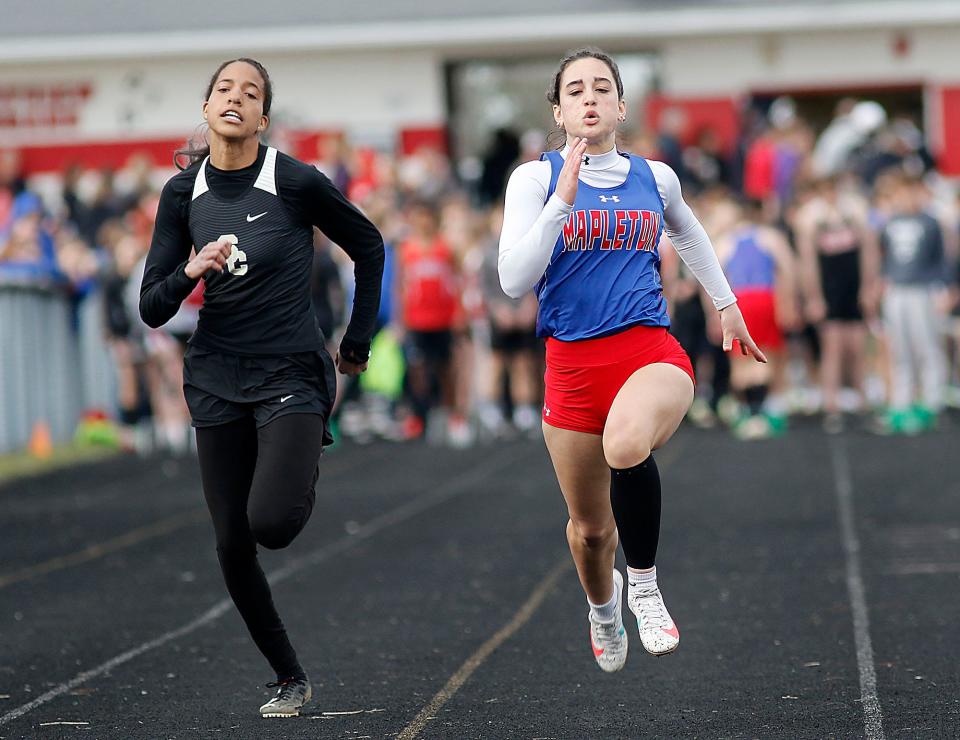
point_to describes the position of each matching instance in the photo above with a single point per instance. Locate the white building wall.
(362, 93)
(373, 94)
(729, 65)
(359, 91)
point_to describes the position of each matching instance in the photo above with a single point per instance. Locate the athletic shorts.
(510, 341)
(759, 309)
(844, 307)
(428, 346)
(584, 377)
(220, 388)
(840, 277)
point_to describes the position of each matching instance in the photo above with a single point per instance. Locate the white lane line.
(136, 536)
(208, 616)
(457, 487)
(463, 673)
(519, 619)
(115, 544)
(922, 569)
(872, 718)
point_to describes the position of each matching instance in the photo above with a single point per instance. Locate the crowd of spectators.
(458, 362)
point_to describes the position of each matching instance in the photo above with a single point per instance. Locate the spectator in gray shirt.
(915, 275)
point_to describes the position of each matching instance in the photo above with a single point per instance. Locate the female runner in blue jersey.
(582, 226)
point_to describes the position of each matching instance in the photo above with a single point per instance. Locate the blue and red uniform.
(601, 300)
(751, 271)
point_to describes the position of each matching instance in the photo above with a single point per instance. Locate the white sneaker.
(753, 428)
(609, 639)
(658, 633)
(292, 694)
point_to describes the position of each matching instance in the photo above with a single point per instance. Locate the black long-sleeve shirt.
(309, 199)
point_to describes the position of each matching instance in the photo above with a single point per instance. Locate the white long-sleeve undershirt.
(532, 224)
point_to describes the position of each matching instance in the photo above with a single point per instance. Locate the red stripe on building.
(307, 145)
(718, 114)
(432, 137)
(96, 154)
(948, 158)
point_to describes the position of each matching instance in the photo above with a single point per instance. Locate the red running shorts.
(584, 377)
(759, 309)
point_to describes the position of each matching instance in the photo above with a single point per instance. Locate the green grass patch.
(23, 464)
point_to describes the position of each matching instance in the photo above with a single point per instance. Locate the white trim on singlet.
(267, 179)
(200, 184)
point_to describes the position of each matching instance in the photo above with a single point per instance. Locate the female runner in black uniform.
(259, 384)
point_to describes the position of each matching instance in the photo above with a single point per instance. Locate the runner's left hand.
(734, 327)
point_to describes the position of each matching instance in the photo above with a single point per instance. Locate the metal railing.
(54, 360)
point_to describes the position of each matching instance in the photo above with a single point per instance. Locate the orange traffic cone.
(40, 445)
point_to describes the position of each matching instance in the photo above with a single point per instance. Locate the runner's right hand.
(734, 327)
(567, 181)
(212, 257)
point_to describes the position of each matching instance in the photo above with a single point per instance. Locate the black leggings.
(259, 486)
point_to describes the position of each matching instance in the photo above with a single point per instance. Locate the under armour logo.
(614, 198)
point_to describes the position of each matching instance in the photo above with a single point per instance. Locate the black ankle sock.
(755, 395)
(635, 498)
(297, 675)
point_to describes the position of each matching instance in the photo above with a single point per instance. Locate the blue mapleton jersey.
(750, 267)
(604, 274)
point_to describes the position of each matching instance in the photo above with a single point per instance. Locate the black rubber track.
(752, 564)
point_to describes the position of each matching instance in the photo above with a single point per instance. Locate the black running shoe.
(292, 694)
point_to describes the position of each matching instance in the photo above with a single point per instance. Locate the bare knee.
(593, 535)
(623, 449)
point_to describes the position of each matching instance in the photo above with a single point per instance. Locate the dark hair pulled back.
(553, 92)
(198, 147)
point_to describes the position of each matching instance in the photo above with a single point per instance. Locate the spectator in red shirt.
(427, 283)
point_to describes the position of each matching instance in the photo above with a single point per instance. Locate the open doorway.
(499, 115)
(818, 106)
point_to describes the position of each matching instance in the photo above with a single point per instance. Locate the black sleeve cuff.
(183, 283)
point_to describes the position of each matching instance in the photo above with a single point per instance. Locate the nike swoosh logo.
(597, 652)
(284, 399)
(254, 218)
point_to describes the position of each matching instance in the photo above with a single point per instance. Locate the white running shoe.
(658, 633)
(609, 639)
(292, 694)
